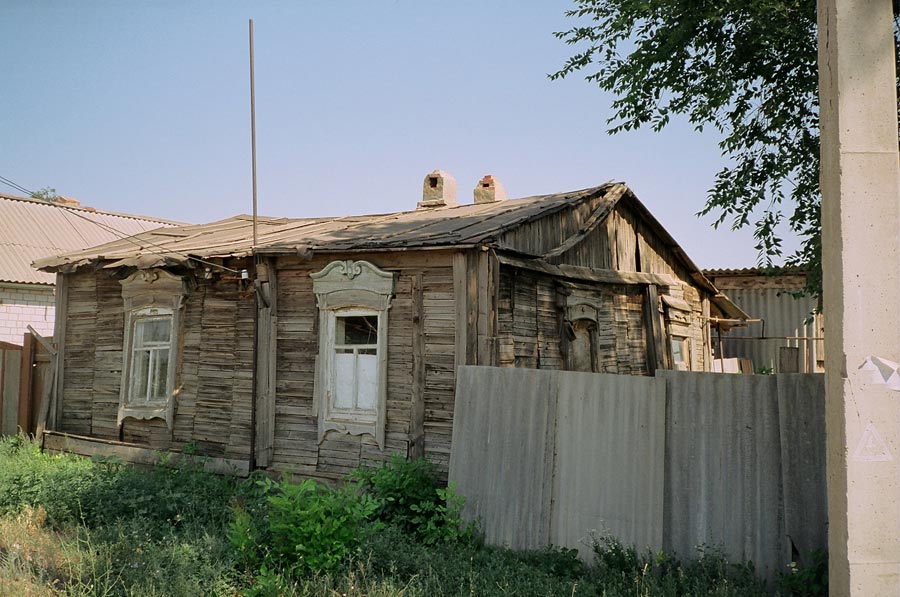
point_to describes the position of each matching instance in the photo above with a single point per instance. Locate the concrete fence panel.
(801, 410)
(502, 456)
(723, 473)
(678, 461)
(608, 473)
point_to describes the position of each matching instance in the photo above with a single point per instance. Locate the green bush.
(309, 528)
(409, 497)
(622, 570)
(809, 580)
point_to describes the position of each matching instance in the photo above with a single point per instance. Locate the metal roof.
(451, 227)
(31, 229)
(460, 226)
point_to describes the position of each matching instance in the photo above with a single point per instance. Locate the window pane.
(677, 350)
(344, 380)
(357, 329)
(367, 381)
(140, 365)
(160, 373)
(152, 331)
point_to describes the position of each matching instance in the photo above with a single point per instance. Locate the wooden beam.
(417, 408)
(656, 346)
(56, 443)
(460, 296)
(265, 370)
(589, 274)
(51, 414)
(26, 397)
(598, 216)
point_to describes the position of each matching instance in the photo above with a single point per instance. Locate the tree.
(46, 193)
(746, 68)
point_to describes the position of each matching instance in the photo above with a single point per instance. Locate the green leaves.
(745, 67)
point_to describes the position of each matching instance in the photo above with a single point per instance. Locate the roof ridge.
(90, 210)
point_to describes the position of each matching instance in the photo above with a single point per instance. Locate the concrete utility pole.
(861, 260)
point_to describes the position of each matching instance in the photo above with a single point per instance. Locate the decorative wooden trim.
(147, 291)
(350, 286)
(55, 443)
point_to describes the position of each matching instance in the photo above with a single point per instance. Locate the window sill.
(165, 411)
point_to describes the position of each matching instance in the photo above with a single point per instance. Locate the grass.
(70, 526)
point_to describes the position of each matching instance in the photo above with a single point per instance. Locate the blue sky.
(143, 107)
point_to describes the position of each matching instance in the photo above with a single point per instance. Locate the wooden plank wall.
(214, 379)
(420, 387)
(530, 323)
(624, 242)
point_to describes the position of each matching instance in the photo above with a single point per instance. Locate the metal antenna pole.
(253, 129)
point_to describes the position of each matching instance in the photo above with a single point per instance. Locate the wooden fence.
(669, 462)
(26, 376)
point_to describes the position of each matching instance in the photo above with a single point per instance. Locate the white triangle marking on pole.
(871, 447)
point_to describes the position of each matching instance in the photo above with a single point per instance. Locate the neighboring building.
(35, 228)
(786, 335)
(334, 342)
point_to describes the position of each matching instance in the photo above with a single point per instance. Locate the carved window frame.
(151, 294)
(350, 288)
(579, 308)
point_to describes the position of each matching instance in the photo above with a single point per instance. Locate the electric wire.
(113, 231)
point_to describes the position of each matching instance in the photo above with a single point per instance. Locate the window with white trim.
(153, 302)
(151, 349)
(351, 370)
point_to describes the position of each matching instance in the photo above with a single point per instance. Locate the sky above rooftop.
(144, 108)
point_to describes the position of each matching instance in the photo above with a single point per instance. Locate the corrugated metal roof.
(31, 229)
(754, 271)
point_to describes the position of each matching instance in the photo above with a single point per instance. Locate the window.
(153, 300)
(681, 353)
(151, 346)
(351, 370)
(356, 363)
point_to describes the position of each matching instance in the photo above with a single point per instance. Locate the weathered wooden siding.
(423, 304)
(623, 242)
(531, 332)
(214, 377)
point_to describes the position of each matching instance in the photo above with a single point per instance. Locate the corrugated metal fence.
(672, 462)
(788, 323)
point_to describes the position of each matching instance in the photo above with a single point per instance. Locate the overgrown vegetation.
(70, 526)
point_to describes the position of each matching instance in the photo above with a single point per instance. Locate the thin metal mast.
(253, 129)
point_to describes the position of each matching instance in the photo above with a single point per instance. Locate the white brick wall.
(21, 306)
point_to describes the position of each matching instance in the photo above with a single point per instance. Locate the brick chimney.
(489, 190)
(438, 190)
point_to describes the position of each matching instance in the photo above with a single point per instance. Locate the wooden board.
(56, 443)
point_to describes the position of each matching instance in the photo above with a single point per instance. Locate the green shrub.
(807, 580)
(622, 570)
(309, 527)
(410, 497)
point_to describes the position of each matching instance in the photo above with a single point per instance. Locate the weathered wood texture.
(213, 380)
(622, 242)
(532, 332)
(421, 369)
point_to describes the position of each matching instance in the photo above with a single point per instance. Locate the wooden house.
(333, 342)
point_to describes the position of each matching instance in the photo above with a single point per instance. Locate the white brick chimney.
(489, 190)
(438, 190)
